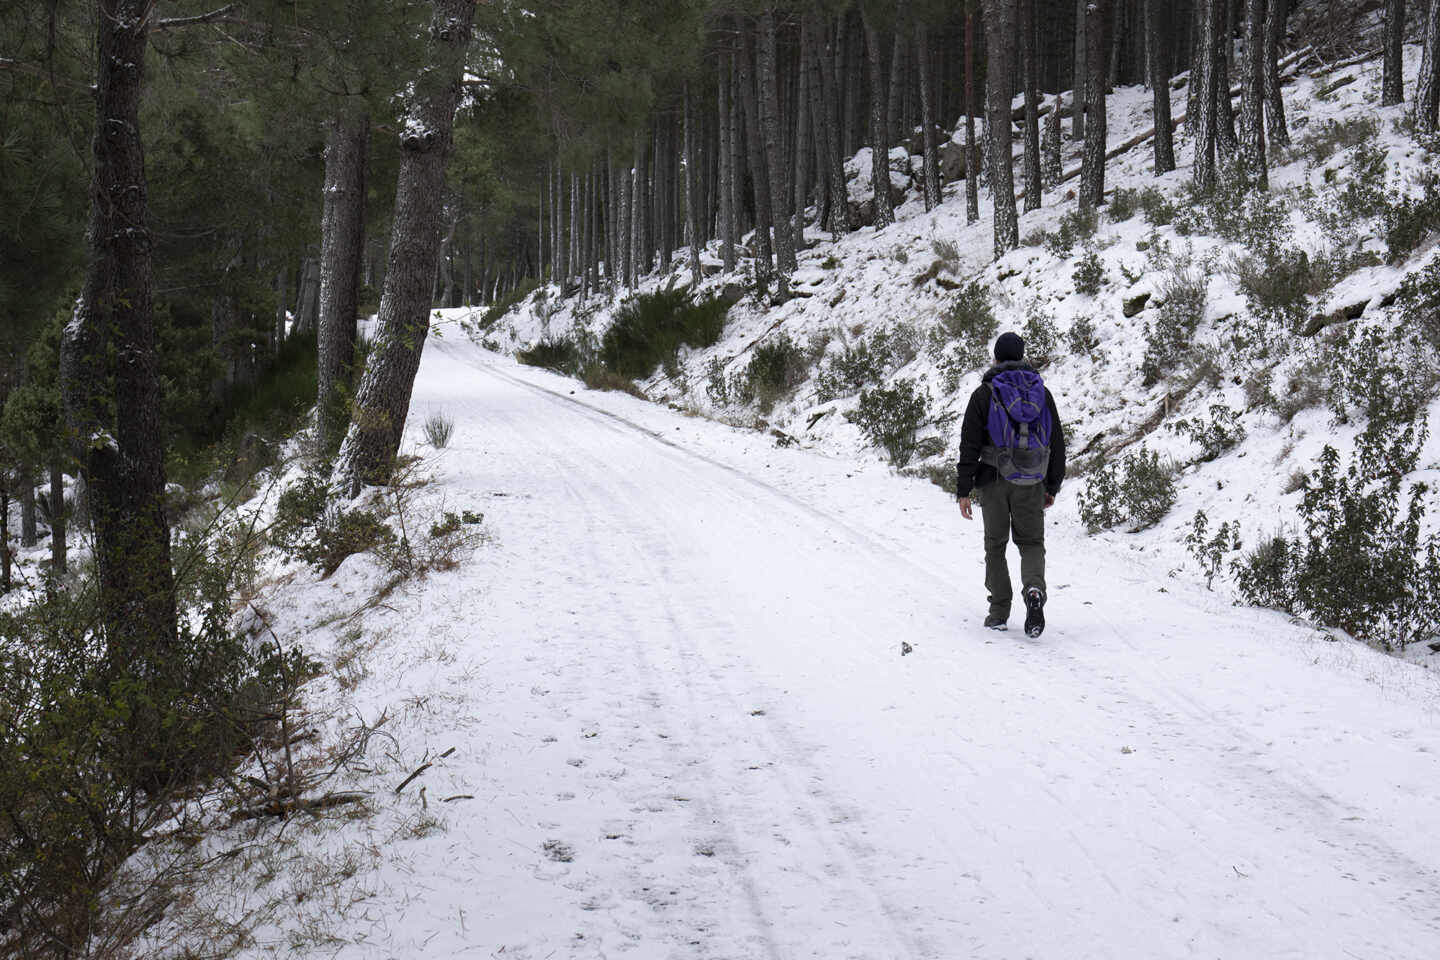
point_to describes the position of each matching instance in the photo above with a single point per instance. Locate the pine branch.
(171, 23)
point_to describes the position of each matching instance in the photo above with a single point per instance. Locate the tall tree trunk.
(774, 152)
(29, 534)
(1092, 172)
(109, 377)
(1199, 29)
(1275, 125)
(894, 95)
(342, 247)
(59, 520)
(382, 403)
(931, 176)
(1427, 87)
(6, 557)
(692, 190)
(755, 148)
(727, 166)
(1392, 82)
(1051, 170)
(1158, 71)
(999, 76)
(825, 56)
(282, 306)
(1203, 114)
(307, 309)
(972, 155)
(1252, 96)
(1029, 71)
(1081, 74)
(1227, 142)
(879, 129)
(802, 146)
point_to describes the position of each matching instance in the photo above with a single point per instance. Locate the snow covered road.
(675, 684)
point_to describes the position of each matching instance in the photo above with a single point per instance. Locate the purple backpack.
(1020, 426)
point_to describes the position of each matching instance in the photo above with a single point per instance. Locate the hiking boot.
(1034, 612)
(996, 621)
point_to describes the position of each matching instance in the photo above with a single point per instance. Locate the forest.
(202, 201)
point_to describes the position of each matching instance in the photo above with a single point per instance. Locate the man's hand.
(1049, 500)
(965, 508)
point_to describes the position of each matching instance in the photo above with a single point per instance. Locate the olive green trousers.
(1010, 510)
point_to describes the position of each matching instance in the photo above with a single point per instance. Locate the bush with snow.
(1136, 492)
(892, 417)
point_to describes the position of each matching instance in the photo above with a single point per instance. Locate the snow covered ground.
(682, 726)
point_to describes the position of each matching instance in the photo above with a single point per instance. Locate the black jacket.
(974, 434)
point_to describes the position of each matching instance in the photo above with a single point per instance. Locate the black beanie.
(1009, 346)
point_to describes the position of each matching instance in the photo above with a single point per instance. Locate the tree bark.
(776, 171)
(999, 75)
(1427, 87)
(342, 247)
(972, 155)
(1092, 177)
(109, 378)
(1081, 74)
(727, 170)
(825, 55)
(879, 129)
(29, 534)
(382, 403)
(59, 519)
(1203, 112)
(1392, 80)
(755, 148)
(1158, 71)
(1029, 71)
(1252, 97)
(1275, 125)
(307, 308)
(802, 146)
(1227, 142)
(931, 175)
(692, 212)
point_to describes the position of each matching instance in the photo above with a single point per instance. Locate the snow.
(682, 724)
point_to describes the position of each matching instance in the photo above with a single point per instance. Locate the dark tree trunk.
(342, 247)
(1392, 82)
(692, 211)
(825, 55)
(755, 148)
(1081, 74)
(879, 129)
(108, 361)
(307, 308)
(1275, 125)
(931, 175)
(1227, 142)
(59, 519)
(1051, 170)
(727, 166)
(972, 155)
(801, 148)
(282, 306)
(776, 171)
(999, 75)
(1427, 87)
(1199, 29)
(1202, 119)
(1158, 70)
(1029, 72)
(382, 403)
(1252, 96)
(29, 534)
(1092, 173)
(894, 97)
(6, 557)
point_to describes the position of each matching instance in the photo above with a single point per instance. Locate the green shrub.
(1222, 431)
(1124, 203)
(1277, 286)
(305, 528)
(945, 251)
(776, 367)
(649, 330)
(1380, 374)
(1075, 227)
(1211, 552)
(563, 355)
(1089, 274)
(438, 429)
(1408, 220)
(1169, 338)
(1362, 562)
(890, 417)
(597, 376)
(1326, 139)
(1419, 301)
(855, 366)
(1158, 209)
(1081, 337)
(1137, 492)
(962, 339)
(1042, 339)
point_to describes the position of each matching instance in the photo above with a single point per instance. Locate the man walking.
(1012, 456)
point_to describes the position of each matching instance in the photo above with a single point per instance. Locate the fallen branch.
(283, 808)
(406, 782)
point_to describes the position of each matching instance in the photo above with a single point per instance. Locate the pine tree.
(1427, 87)
(1092, 172)
(383, 399)
(341, 252)
(1392, 80)
(999, 76)
(1158, 71)
(1275, 126)
(1030, 73)
(1252, 91)
(879, 128)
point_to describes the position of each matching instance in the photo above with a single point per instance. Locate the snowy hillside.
(902, 281)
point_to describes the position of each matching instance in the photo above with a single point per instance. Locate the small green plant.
(1089, 274)
(1419, 301)
(1157, 208)
(305, 527)
(438, 430)
(899, 254)
(945, 251)
(1210, 552)
(561, 354)
(776, 367)
(830, 262)
(1075, 227)
(1362, 561)
(1042, 339)
(1222, 431)
(1408, 220)
(857, 364)
(1136, 491)
(969, 325)
(1332, 136)
(891, 417)
(1169, 337)
(649, 330)
(1081, 337)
